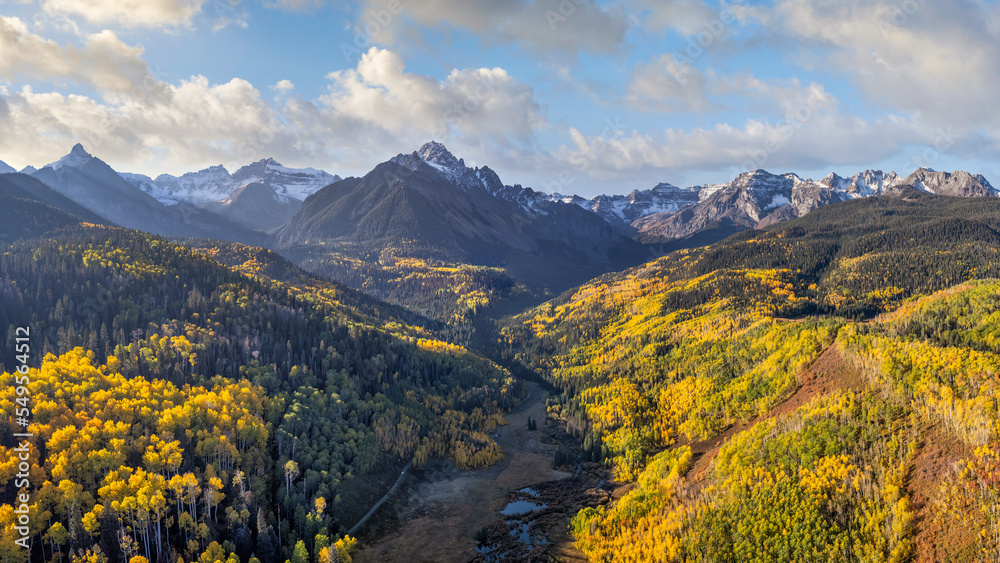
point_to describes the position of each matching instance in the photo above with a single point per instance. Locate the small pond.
(518, 507)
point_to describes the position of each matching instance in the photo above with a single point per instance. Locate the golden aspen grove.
(205, 404)
(782, 395)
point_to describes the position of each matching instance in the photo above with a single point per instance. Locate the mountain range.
(758, 198)
(216, 183)
(90, 183)
(262, 195)
(753, 199)
(429, 204)
(265, 195)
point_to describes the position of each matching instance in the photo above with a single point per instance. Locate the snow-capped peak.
(454, 170)
(862, 184)
(76, 158)
(835, 182)
(959, 183)
(436, 153)
(215, 184)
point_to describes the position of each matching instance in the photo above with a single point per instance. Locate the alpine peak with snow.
(265, 194)
(758, 198)
(753, 199)
(215, 184)
(454, 170)
(436, 153)
(77, 157)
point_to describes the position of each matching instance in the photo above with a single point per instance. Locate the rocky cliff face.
(758, 199)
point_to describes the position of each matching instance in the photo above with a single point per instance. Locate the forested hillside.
(821, 390)
(426, 232)
(717, 381)
(213, 403)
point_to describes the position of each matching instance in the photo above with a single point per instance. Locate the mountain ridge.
(442, 209)
(662, 213)
(759, 198)
(91, 183)
(215, 183)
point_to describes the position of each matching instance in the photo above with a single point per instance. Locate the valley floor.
(436, 518)
(445, 507)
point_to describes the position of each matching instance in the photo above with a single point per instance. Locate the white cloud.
(130, 13)
(544, 26)
(812, 135)
(104, 61)
(777, 96)
(369, 114)
(295, 5)
(196, 123)
(669, 84)
(387, 103)
(685, 16)
(940, 60)
(284, 86)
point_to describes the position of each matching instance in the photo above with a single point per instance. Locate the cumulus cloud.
(104, 61)
(368, 114)
(379, 107)
(196, 123)
(562, 26)
(813, 134)
(481, 101)
(129, 13)
(284, 86)
(939, 60)
(669, 84)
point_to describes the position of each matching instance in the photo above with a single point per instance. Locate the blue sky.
(609, 96)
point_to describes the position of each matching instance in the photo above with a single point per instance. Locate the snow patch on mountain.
(957, 184)
(75, 159)
(777, 201)
(148, 185)
(863, 184)
(706, 191)
(452, 169)
(216, 184)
